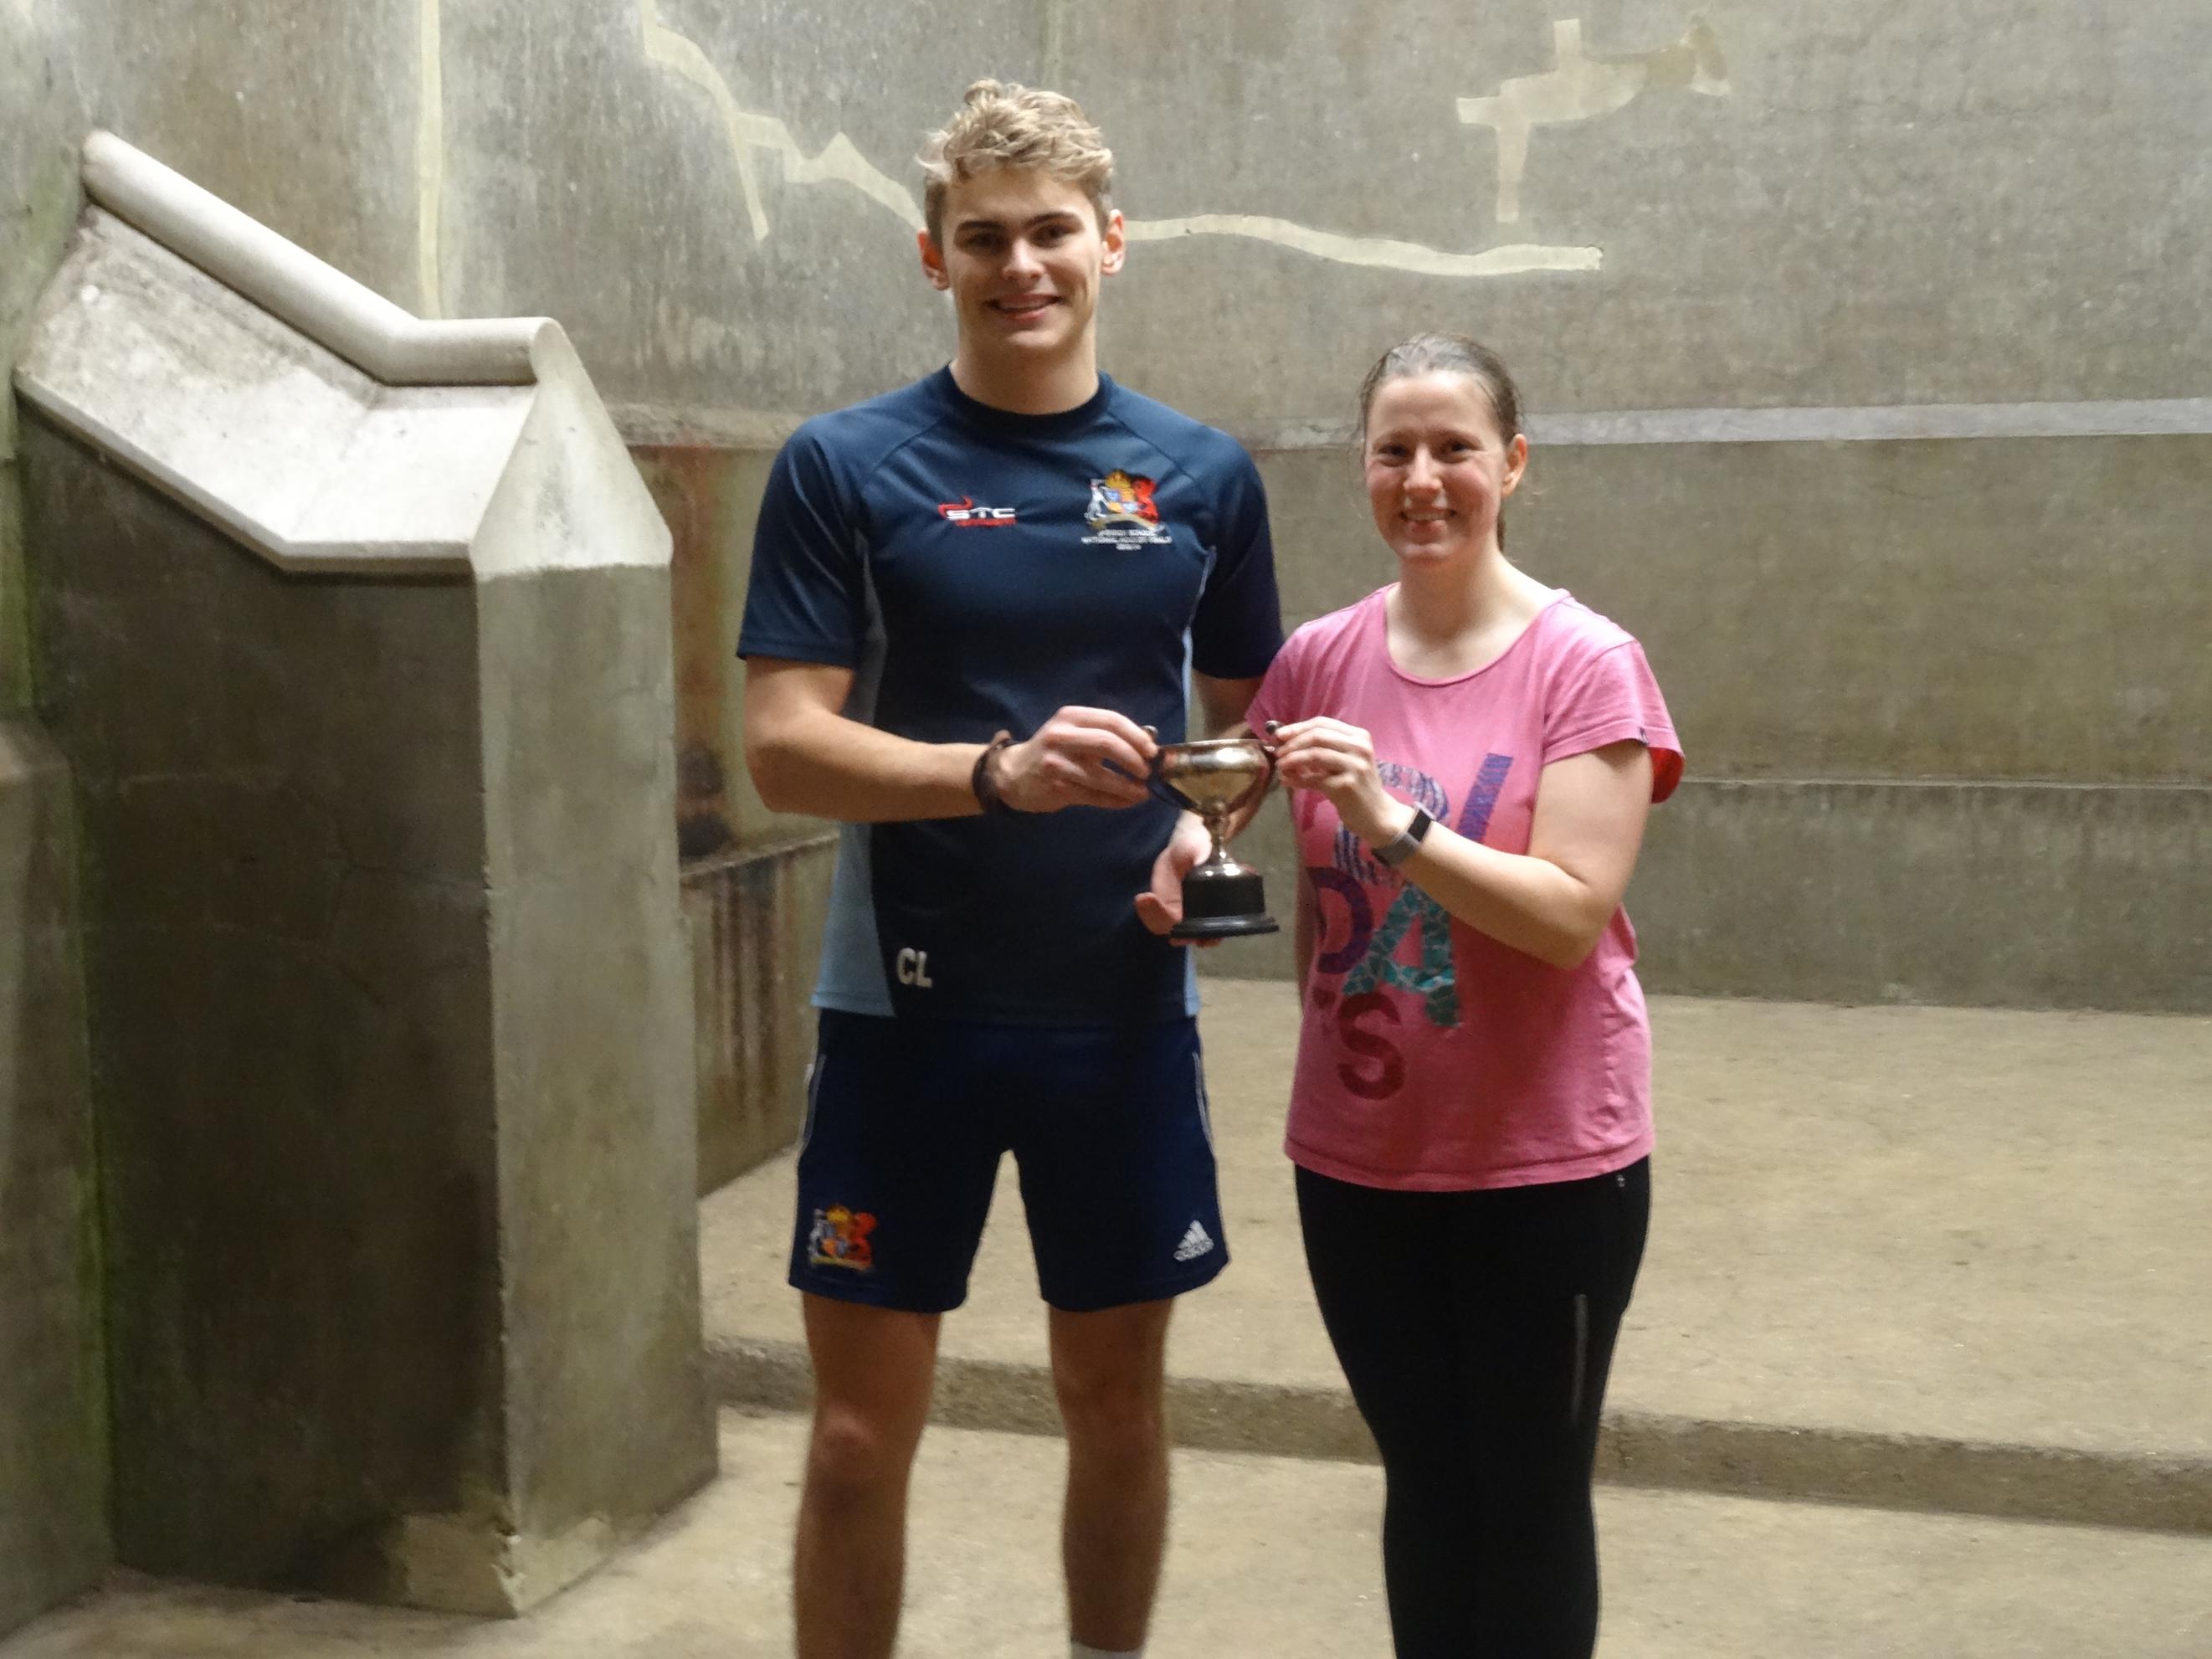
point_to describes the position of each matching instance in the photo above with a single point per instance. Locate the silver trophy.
(1215, 778)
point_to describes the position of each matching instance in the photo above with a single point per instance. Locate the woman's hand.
(1339, 760)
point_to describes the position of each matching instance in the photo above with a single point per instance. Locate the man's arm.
(1223, 702)
(806, 755)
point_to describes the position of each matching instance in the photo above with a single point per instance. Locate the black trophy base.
(1223, 904)
(1223, 927)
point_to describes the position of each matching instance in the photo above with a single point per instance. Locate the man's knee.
(854, 1456)
(1113, 1411)
(1107, 1372)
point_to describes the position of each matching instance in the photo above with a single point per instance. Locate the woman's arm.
(1553, 901)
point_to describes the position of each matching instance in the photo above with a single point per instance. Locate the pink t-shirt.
(1431, 1057)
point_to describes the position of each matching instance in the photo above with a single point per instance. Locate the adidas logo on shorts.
(1195, 1243)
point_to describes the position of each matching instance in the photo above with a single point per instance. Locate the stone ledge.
(1918, 1472)
(1983, 893)
(1986, 894)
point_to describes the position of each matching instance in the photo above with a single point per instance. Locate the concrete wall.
(54, 1402)
(1986, 203)
(1947, 703)
(755, 915)
(391, 1007)
(1979, 204)
(39, 202)
(756, 882)
(1790, 213)
(333, 923)
(606, 1418)
(1851, 205)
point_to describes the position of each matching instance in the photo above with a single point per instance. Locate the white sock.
(1084, 1650)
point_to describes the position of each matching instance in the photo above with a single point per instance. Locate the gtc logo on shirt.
(1122, 513)
(965, 514)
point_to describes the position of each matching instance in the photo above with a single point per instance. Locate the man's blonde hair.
(999, 124)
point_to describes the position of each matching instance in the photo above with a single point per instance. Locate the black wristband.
(980, 781)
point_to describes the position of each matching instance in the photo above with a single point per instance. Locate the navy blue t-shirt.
(977, 571)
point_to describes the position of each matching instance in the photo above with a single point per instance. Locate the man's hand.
(1079, 757)
(1161, 907)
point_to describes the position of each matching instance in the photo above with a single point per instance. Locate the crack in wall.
(1583, 86)
(840, 162)
(1383, 253)
(837, 162)
(1053, 62)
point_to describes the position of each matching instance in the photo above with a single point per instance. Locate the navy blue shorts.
(905, 1123)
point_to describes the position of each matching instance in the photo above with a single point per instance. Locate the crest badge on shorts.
(840, 1239)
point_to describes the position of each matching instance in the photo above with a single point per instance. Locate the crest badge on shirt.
(1122, 513)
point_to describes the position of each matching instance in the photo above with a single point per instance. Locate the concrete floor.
(1884, 1238)
(1950, 1260)
(1271, 1556)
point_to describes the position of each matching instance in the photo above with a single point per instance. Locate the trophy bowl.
(1215, 778)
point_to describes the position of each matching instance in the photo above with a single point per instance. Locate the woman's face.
(1438, 470)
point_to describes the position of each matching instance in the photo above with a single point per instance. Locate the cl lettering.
(913, 970)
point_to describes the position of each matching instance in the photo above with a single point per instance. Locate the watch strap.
(1400, 847)
(983, 781)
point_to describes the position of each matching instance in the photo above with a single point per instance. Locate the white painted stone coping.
(360, 326)
(313, 420)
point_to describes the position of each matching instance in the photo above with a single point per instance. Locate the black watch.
(1397, 850)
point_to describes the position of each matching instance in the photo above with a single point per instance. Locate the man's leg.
(1116, 1162)
(1107, 1370)
(894, 1176)
(872, 1371)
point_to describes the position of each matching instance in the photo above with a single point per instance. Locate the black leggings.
(1476, 1330)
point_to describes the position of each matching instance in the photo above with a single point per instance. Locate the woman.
(1472, 756)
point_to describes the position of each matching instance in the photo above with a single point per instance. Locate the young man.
(969, 601)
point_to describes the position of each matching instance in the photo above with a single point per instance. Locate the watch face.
(1400, 847)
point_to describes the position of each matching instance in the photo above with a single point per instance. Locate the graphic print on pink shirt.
(1433, 1056)
(1369, 956)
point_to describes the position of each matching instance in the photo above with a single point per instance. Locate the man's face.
(1023, 257)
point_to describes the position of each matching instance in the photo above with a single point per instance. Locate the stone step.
(1924, 1258)
(1268, 1555)
(1635, 1450)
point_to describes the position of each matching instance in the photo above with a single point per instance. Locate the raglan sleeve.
(805, 599)
(1238, 625)
(1611, 695)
